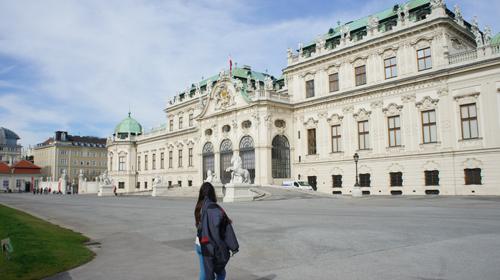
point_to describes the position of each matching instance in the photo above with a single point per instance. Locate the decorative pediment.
(472, 163)
(422, 42)
(309, 75)
(359, 61)
(392, 109)
(395, 167)
(223, 96)
(427, 103)
(311, 123)
(170, 147)
(190, 143)
(466, 98)
(362, 114)
(179, 144)
(430, 165)
(389, 52)
(331, 69)
(335, 119)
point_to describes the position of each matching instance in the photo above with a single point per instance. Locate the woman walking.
(215, 235)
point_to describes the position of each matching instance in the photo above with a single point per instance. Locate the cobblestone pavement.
(289, 235)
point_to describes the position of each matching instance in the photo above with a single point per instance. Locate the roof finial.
(129, 110)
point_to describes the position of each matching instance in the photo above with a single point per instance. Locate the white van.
(303, 185)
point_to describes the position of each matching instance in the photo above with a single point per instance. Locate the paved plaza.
(286, 236)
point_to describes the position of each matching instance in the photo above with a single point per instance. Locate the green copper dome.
(128, 125)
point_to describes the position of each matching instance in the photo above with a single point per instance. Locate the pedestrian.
(215, 235)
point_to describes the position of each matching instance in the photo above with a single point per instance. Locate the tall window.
(431, 177)
(180, 158)
(468, 115)
(311, 141)
(337, 181)
(145, 162)
(394, 125)
(170, 159)
(429, 129)
(396, 179)
(333, 82)
(363, 135)
(360, 74)
(424, 59)
(181, 119)
(190, 157)
(138, 163)
(309, 88)
(280, 156)
(190, 119)
(336, 137)
(121, 163)
(472, 176)
(390, 68)
(153, 159)
(162, 160)
(364, 180)
(171, 125)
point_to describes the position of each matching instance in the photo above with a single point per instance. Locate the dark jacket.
(216, 234)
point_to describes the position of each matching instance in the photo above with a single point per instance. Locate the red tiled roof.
(25, 167)
(4, 168)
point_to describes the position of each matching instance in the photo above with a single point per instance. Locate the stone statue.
(458, 14)
(157, 181)
(210, 176)
(238, 85)
(105, 178)
(372, 23)
(320, 42)
(475, 24)
(249, 83)
(487, 35)
(198, 90)
(289, 53)
(209, 87)
(238, 174)
(344, 31)
(479, 37)
(406, 13)
(437, 4)
(268, 83)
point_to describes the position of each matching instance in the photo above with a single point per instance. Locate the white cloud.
(96, 58)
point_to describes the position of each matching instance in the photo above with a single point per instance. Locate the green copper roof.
(128, 125)
(362, 22)
(495, 40)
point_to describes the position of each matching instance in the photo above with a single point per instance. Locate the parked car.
(303, 185)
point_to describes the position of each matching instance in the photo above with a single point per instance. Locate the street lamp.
(356, 158)
(356, 191)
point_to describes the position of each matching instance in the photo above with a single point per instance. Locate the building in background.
(413, 90)
(22, 176)
(10, 151)
(71, 153)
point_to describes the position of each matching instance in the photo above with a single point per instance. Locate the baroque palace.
(413, 90)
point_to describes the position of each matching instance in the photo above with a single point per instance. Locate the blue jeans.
(221, 276)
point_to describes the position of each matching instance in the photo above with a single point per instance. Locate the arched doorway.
(247, 154)
(207, 155)
(281, 157)
(226, 152)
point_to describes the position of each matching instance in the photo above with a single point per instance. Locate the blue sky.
(78, 65)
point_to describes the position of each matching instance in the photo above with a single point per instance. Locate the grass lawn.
(41, 249)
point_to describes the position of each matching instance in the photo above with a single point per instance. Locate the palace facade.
(413, 90)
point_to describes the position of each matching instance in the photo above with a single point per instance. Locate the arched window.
(281, 157)
(226, 152)
(208, 158)
(247, 154)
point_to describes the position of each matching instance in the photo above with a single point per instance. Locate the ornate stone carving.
(392, 109)
(377, 104)
(466, 98)
(458, 15)
(427, 103)
(345, 32)
(238, 174)
(372, 23)
(437, 4)
(472, 163)
(335, 119)
(442, 91)
(223, 97)
(311, 123)
(268, 83)
(348, 109)
(487, 35)
(362, 114)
